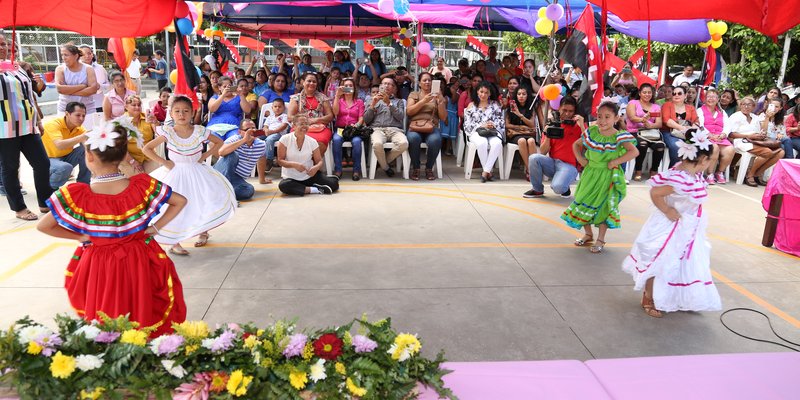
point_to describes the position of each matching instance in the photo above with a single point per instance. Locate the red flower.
(219, 380)
(328, 346)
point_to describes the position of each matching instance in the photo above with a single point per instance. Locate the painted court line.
(33, 258)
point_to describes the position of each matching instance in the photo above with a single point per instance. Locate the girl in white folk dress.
(671, 256)
(211, 200)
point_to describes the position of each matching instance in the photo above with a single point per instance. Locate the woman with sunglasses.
(678, 117)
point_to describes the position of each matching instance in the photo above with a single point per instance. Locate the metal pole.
(787, 42)
(166, 42)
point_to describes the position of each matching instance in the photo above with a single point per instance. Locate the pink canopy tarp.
(277, 31)
(785, 179)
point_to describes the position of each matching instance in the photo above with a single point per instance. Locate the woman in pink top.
(114, 101)
(643, 114)
(712, 117)
(348, 110)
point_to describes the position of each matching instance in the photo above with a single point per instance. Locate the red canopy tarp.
(103, 18)
(770, 17)
(277, 31)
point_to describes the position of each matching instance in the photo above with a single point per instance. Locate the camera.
(553, 130)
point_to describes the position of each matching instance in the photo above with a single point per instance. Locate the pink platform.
(785, 179)
(762, 376)
(567, 379)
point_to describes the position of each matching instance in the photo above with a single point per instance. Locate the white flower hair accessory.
(613, 100)
(686, 150)
(700, 139)
(102, 138)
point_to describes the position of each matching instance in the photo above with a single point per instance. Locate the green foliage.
(760, 62)
(532, 46)
(676, 54)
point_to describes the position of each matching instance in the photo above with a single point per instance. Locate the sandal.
(203, 240)
(415, 174)
(638, 177)
(178, 250)
(429, 174)
(750, 182)
(598, 247)
(356, 176)
(44, 210)
(760, 181)
(27, 215)
(586, 239)
(650, 307)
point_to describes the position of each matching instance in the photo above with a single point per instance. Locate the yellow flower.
(340, 369)
(260, 332)
(347, 339)
(192, 329)
(355, 390)
(191, 348)
(251, 342)
(62, 366)
(34, 348)
(405, 345)
(93, 395)
(298, 379)
(237, 383)
(308, 351)
(134, 337)
(268, 346)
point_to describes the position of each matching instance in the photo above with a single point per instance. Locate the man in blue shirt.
(240, 154)
(161, 71)
(339, 62)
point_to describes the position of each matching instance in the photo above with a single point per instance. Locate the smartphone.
(436, 86)
(346, 89)
(259, 132)
(771, 108)
(655, 114)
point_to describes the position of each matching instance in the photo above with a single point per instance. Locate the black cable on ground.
(755, 339)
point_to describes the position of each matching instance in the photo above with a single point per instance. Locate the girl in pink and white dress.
(671, 256)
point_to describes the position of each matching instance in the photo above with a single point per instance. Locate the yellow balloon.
(722, 27)
(716, 43)
(170, 27)
(173, 76)
(544, 26)
(403, 31)
(542, 12)
(704, 44)
(710, 25)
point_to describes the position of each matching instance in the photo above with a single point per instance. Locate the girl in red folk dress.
(119, 269)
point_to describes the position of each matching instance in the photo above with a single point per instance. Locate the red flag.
(709, 66)
(614, 64)
(581, 50)
(187, 80)
(637, 59)
(521, 54)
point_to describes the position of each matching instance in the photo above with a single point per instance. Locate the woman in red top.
(119, 268)
(349, 111)
(316, 107)
(677, 117)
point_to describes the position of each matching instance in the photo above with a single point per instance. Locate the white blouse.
(304, 155)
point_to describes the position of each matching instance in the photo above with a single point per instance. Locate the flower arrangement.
(113, 358)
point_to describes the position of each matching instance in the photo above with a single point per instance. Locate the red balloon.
(423, 60)
(181, 9)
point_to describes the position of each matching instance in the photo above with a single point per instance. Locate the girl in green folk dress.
(601, 150)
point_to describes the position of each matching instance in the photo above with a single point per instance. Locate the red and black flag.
(581, 50)
(187, 80)
(474, 44)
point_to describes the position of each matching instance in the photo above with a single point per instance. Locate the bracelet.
(154, 228)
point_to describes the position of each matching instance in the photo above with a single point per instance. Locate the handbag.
(486, 132)
(650, 135)
(316, 128)
(351, 131)
(679, 133)
(421, 126)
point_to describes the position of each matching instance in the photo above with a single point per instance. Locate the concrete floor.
(472, 268)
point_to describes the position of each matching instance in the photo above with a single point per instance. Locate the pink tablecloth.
(785, 179)
(526, 380)
(762, 376)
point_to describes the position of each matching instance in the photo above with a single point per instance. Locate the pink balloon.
(386, 6)
(432, 55)
(423, 60)
(424, 47)
(554, 104)
(554, 12)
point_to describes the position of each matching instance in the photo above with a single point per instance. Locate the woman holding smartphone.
(425, 109)
(644, 122)
(349, 111)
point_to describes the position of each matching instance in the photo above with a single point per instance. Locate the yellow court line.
(18, 229)
(758, 300)
(476, 245)
(32, 259)
(751, 245)
(252, 200)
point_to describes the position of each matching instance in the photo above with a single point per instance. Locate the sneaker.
(531, 194)
(324, 189)
(567, 194)
(389, 172)
(721, 178)
(710, 180)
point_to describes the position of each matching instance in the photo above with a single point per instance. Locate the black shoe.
(389, 172)
(760, 181)
(356, 176)
(531, 194)
(324, 189)
(567, 194)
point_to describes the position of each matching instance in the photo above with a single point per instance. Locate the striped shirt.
(18, 114)
(248, 155)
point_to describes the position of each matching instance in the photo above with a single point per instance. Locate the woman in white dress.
(211, 197)
(671, 256)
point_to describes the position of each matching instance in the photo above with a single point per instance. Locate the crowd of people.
(199, 156)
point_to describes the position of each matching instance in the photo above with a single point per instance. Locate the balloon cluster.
(425, 54)
(184, 16)
(716, 29)
(404, 39)
(546, 24)
(552, 93)
(399, 7)
(213, 32)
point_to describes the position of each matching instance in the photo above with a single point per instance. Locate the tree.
(755, 59)
(532, 46)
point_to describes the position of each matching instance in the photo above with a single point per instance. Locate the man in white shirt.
(135, 71)
(687, 76)
(492, 65)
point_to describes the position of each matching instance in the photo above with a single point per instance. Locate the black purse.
(350, 131)
(486, 132)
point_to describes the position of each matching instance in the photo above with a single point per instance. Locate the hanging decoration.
(425, 54)
(716, 29)
(546, 24)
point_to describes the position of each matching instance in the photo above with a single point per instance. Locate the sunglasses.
(678, 94)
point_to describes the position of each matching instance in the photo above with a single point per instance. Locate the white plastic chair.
(472, 150)
(461, 147)
(438, 160)
(511, 148)
(403, 162)
(262, 115)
